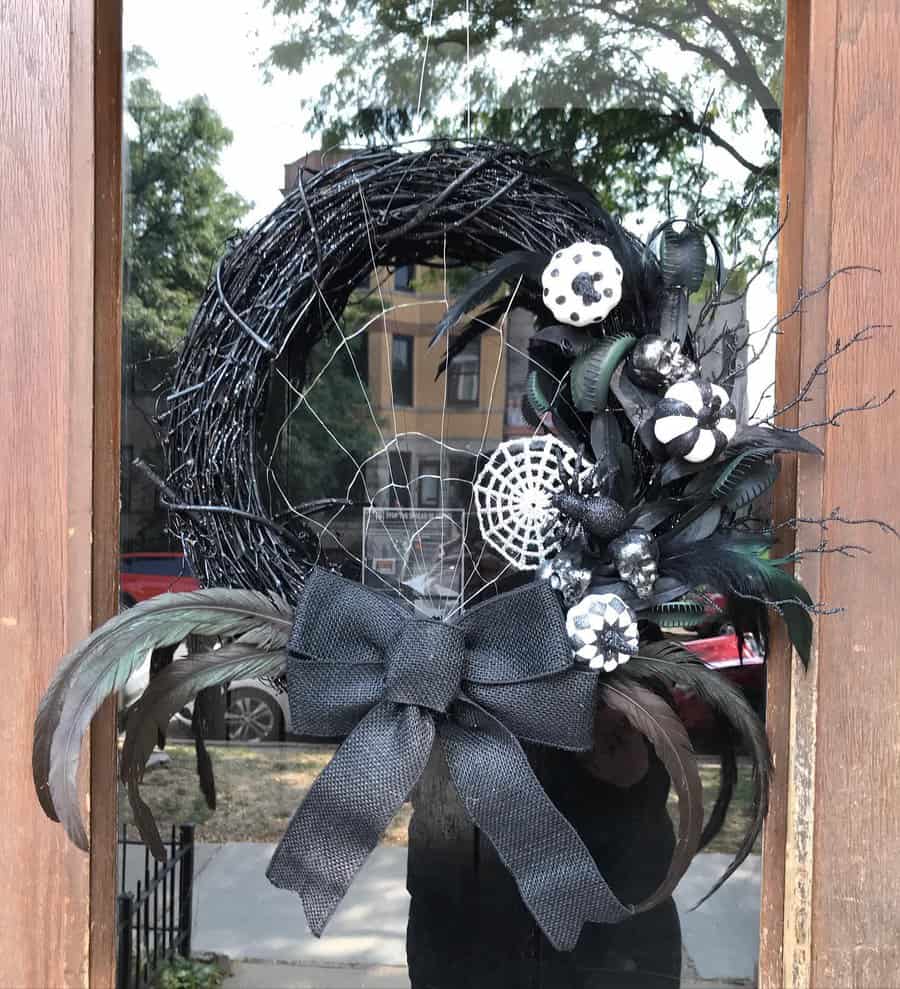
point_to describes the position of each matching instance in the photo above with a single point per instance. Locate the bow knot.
(361, 665)
(424, 665)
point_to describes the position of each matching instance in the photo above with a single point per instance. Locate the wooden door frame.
(107, 454)
(830, 891)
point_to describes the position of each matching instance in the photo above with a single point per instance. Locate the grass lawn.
(260, 787)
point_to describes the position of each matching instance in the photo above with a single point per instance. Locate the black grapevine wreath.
(625, 512)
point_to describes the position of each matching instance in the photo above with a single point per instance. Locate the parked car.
(255, 711)
(144, 575)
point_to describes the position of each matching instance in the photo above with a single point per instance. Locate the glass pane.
(369, 444)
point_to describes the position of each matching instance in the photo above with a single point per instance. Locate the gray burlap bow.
(360, 663)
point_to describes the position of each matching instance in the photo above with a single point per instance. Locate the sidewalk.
(238, 913)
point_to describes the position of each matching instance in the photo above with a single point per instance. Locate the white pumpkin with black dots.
(582, 283)
(695, 420)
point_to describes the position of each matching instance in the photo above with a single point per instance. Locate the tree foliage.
(618, 88)
(178, 212)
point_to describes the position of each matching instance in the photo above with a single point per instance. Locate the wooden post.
(59, 395)
(46, 402)
(841, 768)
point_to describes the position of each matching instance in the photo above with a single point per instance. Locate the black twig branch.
(835, 515)
(869, 405)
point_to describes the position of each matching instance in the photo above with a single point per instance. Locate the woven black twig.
(286, 280)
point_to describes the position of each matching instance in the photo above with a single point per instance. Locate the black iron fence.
(154, 919)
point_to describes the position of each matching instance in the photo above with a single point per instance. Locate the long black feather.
(670, 664)
(204, 705)
(102, 663)
(655, 719)
(159, 660)
(484, 321)
(509, 267)
(171, 691)
(570, 340)
(772, 439)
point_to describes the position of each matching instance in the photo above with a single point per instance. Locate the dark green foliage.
(592, 372)
(676, 614)
(178, 213)
(735, 565)
(188, 973)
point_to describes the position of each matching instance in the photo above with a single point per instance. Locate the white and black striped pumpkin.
(694, 420)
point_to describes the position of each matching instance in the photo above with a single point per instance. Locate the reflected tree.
(627, 91)
(178, 211)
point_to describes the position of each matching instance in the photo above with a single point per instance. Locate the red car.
(144, 575)
(720, 652)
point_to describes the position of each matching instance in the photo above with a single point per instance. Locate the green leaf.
(535, 394)
(676, 614)
(592, 371)
(735, 470)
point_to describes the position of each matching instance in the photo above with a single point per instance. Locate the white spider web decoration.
(513, 496)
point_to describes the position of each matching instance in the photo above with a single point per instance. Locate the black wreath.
(282, 284)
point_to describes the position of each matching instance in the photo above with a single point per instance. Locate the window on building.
(403, 278)
(400, 473)
(464, 376)
(462, 470)
(402, 369)
(429, 481)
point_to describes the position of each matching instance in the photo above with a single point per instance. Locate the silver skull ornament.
(567, 575)
(636, 557)
(656, 363)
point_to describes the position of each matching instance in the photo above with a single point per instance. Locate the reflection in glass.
(662, 109)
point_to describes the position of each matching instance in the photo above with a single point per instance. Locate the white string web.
(402, 463)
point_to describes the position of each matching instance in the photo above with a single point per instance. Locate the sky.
(214, 48)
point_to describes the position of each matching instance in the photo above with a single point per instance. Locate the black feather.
(671, 664)
(509, 267)
(484, 321)
(648, 515)
(771, 439)
(698, 524)
(102, 664)
(159, 660)
(171, 691)
(612, 458)
(570, 340)
(204, 707)
(655, 719)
